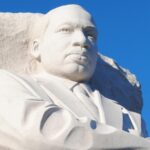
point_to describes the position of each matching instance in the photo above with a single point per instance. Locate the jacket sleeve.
(27, 117)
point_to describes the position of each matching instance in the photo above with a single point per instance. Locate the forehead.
(71, 15)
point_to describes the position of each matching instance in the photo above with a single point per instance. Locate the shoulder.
(4, 74)
(8, 78)
(13, 83)
(20, 85)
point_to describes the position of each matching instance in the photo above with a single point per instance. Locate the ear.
(35, 52)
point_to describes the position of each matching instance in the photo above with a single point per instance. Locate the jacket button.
(93, 124)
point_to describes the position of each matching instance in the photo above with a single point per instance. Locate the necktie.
(83, 93)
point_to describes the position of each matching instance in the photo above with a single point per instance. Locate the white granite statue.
(69, 97)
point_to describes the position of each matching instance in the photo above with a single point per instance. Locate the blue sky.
(124, 32)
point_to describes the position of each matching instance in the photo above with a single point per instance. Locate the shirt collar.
(49, 77)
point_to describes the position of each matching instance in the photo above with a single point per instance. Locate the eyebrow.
(91, 28)
(85, 28)
(71, 24)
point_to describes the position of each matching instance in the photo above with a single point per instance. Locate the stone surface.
(15, 30)
(82, 105)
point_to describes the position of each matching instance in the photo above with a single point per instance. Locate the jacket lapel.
(113, 113)
(63, 97)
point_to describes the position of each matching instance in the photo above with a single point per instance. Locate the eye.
(65, 30)
(91, 33)
(91, 36)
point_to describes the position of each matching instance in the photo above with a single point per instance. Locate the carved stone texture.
(58, 92)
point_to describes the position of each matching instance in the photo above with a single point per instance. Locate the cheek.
(61, 42)
(93, 54)
(53, 58)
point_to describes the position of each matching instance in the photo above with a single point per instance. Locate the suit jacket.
(41, 115)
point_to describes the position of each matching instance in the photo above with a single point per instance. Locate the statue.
(61, 102)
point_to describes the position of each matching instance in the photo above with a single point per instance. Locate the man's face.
(69, 48)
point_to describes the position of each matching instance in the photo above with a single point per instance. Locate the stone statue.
(69, 97)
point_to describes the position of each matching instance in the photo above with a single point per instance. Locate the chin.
(73, 72)
(78, 75)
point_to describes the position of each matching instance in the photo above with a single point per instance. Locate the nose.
(80, 39)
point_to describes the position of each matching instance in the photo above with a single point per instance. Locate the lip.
(78, 57)
(82, 55)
